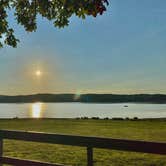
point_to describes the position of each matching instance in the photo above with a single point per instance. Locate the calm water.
(73, 110)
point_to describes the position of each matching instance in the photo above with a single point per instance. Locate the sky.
(122, 51)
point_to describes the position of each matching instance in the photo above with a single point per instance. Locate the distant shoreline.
(93, 118)
(83, 102)
(86, 98)
(85, 119)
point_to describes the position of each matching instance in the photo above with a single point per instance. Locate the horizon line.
(84, 94)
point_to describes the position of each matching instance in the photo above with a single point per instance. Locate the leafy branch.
(58, 11)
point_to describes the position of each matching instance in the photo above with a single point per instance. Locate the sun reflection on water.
(36, 110)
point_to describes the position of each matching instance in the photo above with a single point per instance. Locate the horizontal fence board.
(20, 162)
(95, 142)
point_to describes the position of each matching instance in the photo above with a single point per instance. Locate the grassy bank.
(149, 130)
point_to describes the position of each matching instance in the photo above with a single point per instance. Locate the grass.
(149, 130)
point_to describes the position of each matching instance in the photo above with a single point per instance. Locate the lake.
(73, 110)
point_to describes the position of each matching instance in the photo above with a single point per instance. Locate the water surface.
(73, 110)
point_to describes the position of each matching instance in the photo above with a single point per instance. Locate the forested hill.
(85, 98)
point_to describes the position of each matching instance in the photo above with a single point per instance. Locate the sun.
(38, 73)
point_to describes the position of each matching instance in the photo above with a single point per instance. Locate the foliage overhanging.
(58, 11)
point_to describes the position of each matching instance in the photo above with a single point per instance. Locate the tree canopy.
(58, 11)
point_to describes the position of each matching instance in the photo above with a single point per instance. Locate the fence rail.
(88, 142)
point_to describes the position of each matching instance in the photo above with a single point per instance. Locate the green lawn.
(149, 130)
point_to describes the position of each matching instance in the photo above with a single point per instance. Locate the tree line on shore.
(85, 98)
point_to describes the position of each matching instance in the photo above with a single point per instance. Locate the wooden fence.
(88, 142)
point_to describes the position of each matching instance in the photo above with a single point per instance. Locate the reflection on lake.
(36, 111)
(73, 110)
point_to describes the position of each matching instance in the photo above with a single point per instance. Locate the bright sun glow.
(36, 110)
(38, 73)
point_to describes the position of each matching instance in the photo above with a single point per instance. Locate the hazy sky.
(123, 51)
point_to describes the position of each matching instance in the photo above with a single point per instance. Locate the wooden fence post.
(89, 156)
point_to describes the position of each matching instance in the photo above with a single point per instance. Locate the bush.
(95, 118)
(84, 117)
(135, 118)
(106, 118)
(117, 118)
